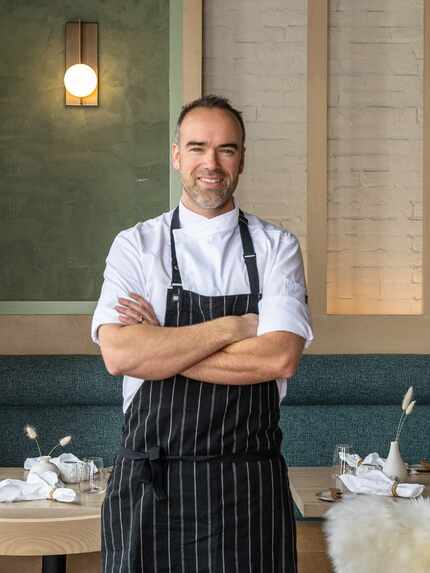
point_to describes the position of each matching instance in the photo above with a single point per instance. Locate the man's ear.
(176, 156)
(242, 160)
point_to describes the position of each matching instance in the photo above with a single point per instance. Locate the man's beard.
(210, 198)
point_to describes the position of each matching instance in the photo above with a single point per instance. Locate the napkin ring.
(394, 488)
(51, 493)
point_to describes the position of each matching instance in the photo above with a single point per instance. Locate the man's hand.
(136, 311)
(247, 324)
(139, 310)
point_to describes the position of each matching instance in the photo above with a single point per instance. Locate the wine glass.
(340, 465)
(95, 478)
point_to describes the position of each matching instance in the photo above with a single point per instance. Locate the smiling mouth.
(211, 180)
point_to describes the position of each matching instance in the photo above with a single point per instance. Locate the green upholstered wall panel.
(95, 431)
(359, 379)
(70, 178)
(45, 381)
(310, 433)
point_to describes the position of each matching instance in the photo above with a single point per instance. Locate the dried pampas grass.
(31, 433)
(407, 406)
(61, 443)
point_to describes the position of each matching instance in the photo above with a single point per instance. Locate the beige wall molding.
(342, 334)
(317, 155)
(426, 163)
(192, 49)
(49, 334)
(70, 333)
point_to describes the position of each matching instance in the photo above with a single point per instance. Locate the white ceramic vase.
(44, 465)
(394, 467)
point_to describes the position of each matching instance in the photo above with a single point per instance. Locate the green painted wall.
(70, 178)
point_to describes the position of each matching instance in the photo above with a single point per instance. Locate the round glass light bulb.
(80, 80)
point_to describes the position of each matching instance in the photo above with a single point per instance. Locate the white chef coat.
(210, 257)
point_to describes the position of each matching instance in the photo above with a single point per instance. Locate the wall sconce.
(81, 77)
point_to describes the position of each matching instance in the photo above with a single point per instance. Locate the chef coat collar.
(194, 224)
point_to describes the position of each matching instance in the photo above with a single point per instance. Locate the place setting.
(65, 478)
(374, 475)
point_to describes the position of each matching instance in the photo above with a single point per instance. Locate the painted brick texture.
(255, 54)
(375, 157)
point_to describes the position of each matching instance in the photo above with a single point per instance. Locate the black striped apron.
(199, 484)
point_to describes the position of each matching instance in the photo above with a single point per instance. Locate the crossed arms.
(221, 351)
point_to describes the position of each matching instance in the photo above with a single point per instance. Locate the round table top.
(48, 527)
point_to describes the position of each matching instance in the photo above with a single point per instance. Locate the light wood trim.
(305, 482)
(84, 563)
(340, 334)
(310, 537)
(192, 49)
(317, 155)
(21, 564)
(426, 162)
(48, 334)
(314, 561)
(60, 538)
(312, 548)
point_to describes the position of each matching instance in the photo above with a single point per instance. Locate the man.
(203, 311)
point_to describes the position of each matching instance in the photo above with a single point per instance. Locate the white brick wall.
(375, 157)
(255, 54)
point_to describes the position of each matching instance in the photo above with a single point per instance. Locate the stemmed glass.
(340, 465)
(95, 478)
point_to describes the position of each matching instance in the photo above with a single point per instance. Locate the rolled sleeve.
(283, 313)
(283, 305)
(123, 274)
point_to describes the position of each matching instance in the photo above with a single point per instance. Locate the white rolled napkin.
(377, 483)
(44, 486)
(363, 466)
(65, 464)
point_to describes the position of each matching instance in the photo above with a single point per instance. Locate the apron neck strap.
(176, 275)
(249, 255)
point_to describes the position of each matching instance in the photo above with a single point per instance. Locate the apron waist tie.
(154, 458)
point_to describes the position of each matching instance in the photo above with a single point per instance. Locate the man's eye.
(196, 149)
(228, 151)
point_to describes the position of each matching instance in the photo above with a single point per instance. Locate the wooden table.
(30, 530)
(305, 482)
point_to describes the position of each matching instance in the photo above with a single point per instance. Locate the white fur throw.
(375, 534)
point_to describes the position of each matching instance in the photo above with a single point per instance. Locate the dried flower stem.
(400, 426)
(406, 410)
(406, 413)
(31, 433)
(61, 443)
(38, 447)
(54, 448)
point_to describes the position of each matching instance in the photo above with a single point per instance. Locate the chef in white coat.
(203, 311)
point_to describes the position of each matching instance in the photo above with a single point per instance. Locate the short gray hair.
(209, 102)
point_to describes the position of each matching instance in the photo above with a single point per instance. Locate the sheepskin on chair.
(376, 534)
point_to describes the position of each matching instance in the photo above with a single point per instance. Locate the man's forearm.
(250, 361)
(154, 352)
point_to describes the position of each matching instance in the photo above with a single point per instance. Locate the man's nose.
(211, 160)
